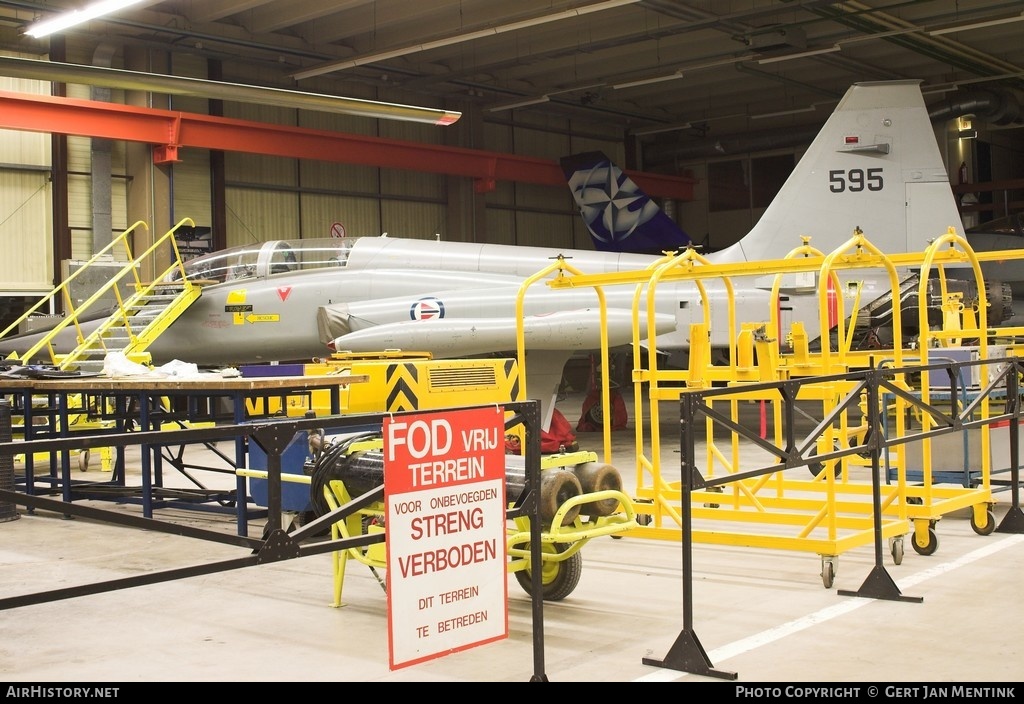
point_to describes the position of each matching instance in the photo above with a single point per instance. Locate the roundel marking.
(427, 309)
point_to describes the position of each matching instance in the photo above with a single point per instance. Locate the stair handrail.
(141, 291)
(64, 289)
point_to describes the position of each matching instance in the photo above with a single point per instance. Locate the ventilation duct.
(994, 107)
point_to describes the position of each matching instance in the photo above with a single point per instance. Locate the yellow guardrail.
(121, 250)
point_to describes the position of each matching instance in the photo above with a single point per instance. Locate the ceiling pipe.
(996, 107)
(332, 66)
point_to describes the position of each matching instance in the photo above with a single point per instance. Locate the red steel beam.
(169, 130)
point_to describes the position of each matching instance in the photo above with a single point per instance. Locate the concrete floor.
(761, 615)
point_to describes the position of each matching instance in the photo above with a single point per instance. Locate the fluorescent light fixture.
(956, 85)
(333, 66)
(74, 17)
(780, 113)
(880, 35)
(658, 130)
(976, 25)
(576, 89)
(647, 81)
(800, 55)
(16, 67)
(986, 79)
(520, 104)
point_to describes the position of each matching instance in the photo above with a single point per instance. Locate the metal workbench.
(49, 407)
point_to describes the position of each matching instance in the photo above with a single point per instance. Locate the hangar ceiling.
(685, 77)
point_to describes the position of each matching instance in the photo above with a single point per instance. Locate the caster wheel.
(828, 573)
(896, 547)
(643, 519)
(816, 468)
(714, 490)
(989, 525)
(929, 547)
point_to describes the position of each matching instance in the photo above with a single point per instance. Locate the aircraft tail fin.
(875, 165)
(618, 214)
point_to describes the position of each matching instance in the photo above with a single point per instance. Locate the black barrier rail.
(686, 653)
(115, 406)
(277, 544)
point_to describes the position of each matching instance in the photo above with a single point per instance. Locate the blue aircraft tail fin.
(620, 216)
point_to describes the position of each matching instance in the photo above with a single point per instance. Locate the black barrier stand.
(1013, 521)
(687, 654)
(879, 583)
(277, 544)
(273, 439)
(531, 456)
(8, 510)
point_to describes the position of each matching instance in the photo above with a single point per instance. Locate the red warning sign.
(447, 585)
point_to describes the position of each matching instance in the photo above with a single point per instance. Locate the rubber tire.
(556, 487)
(929, 548)
(558, 579)
(828, 574)
(815, 468)
(896, 549)
(595, 476)
(989, 526)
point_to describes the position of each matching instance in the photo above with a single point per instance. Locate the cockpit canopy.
(262, 259)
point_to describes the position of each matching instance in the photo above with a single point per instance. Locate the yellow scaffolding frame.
(831, 502)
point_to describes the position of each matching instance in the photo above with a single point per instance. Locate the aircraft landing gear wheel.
(83, 460)
(929, 547)
(896, 548)
(558, 579)
(828, 571)
(989, 525)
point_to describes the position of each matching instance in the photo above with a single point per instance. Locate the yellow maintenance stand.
(935, 399)
(828, 512)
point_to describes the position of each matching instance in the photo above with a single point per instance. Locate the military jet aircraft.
(1002, 234)
(874, 165)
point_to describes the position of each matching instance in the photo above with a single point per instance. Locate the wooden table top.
(210, 382)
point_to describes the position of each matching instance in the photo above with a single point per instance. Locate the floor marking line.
(778, 632)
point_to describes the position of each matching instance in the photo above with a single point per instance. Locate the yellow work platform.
(824, 490)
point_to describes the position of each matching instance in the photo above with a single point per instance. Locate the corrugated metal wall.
(25, 203)
(529, 215)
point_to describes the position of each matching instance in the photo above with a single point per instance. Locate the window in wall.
(747, 183)
(728, 186)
